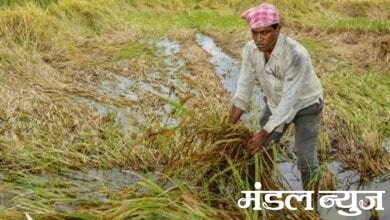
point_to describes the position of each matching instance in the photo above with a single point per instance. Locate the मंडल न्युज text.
(328, 200)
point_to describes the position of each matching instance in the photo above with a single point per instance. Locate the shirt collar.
(278, 46)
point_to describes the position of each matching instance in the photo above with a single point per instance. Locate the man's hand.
(235, 114)
(256, 141)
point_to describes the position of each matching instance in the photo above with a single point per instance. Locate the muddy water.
(386, 144)
(226, 67)
(132, 118)
(346, 181)
(228, 71)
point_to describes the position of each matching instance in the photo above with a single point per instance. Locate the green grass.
(196, 20)
(13, 3)
(6, 58)
(208, 20)
(316, 48)
(136, 49)
(364, 24)
(359, 117)
(362, 96)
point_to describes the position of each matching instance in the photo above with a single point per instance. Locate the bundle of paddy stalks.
(214, 150)
(211, 139)
(212, 159)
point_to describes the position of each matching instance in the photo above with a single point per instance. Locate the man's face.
(265, 38)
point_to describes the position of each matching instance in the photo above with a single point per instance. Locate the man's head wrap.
(262, 15)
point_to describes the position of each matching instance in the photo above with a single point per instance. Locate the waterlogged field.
(119, 109)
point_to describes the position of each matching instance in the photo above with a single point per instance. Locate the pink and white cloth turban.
(261, 16)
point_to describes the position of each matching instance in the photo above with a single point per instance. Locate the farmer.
(292, 92)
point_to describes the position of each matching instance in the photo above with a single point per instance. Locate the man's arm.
(245, 84)
(235, 114)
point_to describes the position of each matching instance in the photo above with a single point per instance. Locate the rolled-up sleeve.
(297, 67)
(246, 82)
